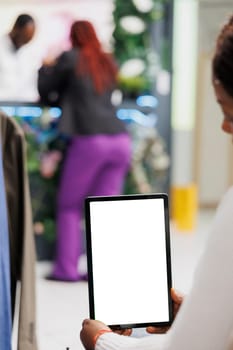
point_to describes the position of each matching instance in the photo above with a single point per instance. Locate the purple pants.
(94, 165)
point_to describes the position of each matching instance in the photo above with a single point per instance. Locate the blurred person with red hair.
(82, 80)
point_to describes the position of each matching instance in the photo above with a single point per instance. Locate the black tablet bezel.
(88, 200)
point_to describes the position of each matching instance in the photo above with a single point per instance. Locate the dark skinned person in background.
(18, 66)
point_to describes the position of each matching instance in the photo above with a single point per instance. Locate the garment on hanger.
(5, 301)
(22, 245)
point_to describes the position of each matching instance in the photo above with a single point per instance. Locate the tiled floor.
(61, 307)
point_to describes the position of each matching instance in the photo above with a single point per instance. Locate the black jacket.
(84, 111)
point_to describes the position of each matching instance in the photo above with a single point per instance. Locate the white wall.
(99, 12)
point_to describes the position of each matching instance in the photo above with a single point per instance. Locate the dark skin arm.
(89, 331)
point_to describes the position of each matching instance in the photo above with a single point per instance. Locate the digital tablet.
(128, 259)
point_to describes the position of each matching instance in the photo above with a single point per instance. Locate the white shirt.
(205, 319)
(18, 72)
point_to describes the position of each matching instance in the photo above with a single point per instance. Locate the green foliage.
(134, 85)
(127, 46)
(43, 194)
(42, 139)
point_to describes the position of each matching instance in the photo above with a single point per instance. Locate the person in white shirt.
(18, 69)
(205, 318)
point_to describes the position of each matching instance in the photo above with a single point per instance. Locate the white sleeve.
(205, 319)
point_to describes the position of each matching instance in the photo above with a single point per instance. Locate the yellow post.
(184, 206)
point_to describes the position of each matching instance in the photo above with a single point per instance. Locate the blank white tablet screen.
(129, 261)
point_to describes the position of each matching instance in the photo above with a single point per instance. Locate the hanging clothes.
(5, 291)
(22, 245)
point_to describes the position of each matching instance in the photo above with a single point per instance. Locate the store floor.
(61, 307)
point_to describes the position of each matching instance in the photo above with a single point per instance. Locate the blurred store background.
(163, 49)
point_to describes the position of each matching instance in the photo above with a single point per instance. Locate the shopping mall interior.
(166, 101)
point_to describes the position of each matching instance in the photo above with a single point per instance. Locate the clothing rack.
(17, 247)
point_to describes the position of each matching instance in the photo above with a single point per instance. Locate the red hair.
(92, 60)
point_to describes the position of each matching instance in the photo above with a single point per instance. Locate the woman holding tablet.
(205, 320)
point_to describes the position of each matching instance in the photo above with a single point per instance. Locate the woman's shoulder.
(68, 54)
(67, 58)
(228, 195)
(225, 207)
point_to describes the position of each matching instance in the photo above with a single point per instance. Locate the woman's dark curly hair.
(222, 64)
